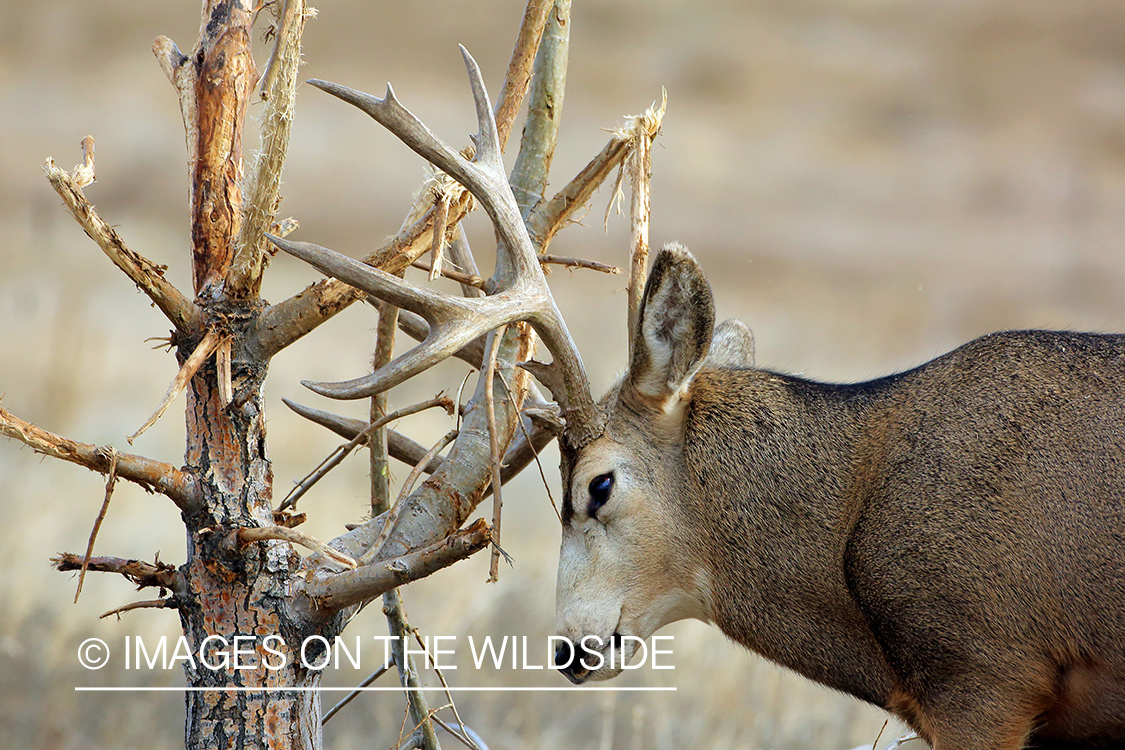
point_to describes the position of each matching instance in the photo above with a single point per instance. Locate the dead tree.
(242, 575)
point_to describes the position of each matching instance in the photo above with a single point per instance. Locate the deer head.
(617, 582)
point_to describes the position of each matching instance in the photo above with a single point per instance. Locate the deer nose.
(568, 660)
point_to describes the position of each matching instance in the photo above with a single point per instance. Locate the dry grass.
(867, 183)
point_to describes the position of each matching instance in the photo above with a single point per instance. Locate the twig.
(449, 273)
(430, 714)
(592, 265)
(203, 350)
(148, 276)
(165, 603)
(463, 733)
(110, 481)
(452, 704)
(494, 447)
(396, 509)
(377, 443)
(534, 454)
(400, 447)
(249, 534)
(343, 451)
(177, 485)
(355, 693)
(340, 590)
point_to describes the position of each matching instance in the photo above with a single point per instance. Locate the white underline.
(236, 689)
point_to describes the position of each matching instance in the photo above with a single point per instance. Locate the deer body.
(946, 543)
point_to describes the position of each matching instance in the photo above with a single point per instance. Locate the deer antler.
(521, 291)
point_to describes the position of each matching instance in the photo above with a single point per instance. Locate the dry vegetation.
(868, 183)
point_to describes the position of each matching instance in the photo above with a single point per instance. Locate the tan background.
(868, 183)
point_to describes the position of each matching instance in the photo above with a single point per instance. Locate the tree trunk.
(235, 591)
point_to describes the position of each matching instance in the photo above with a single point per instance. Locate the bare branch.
(641, 131)
(148, 276)
(396, 510)
(399, 446)
(140, 573)
(278, 89)
(548, 218)
(165, 603)
(544, 110)
(378, 449)
(343, 451)
(592, 265)
(494, 453)
(247, 535)
(342, 590)
(453, 275)
(519, 67)
(181, 74)
(203, 350)
(177, 485)
(355, 693)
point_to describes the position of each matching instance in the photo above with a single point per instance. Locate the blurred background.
(868, 183)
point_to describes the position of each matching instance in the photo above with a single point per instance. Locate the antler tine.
(442, 343)
(484, 176)
(428, 303)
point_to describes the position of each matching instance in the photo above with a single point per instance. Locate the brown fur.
(946, 543)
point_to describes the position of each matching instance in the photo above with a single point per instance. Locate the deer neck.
(771, 460)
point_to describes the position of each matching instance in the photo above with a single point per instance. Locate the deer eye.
(600, 488)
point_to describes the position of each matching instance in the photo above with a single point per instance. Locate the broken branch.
(148, 276)
(177, 485)
(591, 265)
(247, 535)
(140, 573)
(203, 350)
(278, 89)
(368, 581)
(548, 218)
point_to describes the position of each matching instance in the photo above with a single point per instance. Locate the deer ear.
(674, 326)
(732, 346)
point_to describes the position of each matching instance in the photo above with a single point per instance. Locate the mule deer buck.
(945, 543)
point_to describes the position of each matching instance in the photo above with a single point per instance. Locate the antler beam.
(522, 292)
